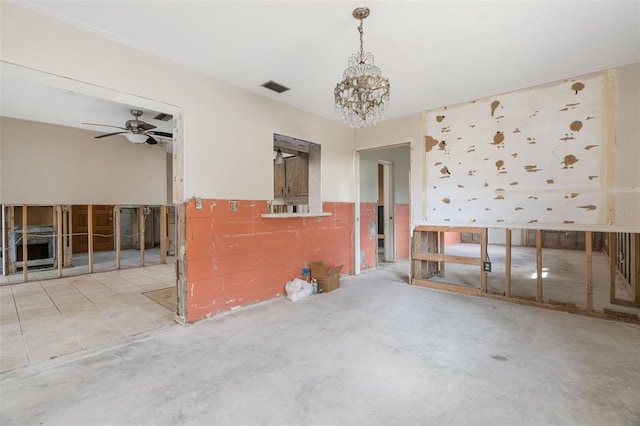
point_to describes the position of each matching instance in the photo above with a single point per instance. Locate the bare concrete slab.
(374, 352)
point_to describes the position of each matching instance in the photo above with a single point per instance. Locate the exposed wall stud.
(163, 234)
(25, 236)
(90, 235)
(141, 233)
(539, 265)
(588, 243)
(507, 266)
(483, 256)
(117, 224)
(59, 251)
(181, 262)
(613, 258)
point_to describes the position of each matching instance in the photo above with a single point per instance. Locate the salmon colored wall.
(403, 231)
(236, 258)
(368, 244)
(451, 238)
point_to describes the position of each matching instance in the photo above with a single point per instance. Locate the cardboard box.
(328, 278)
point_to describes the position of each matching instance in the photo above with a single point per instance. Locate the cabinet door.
(297, 175)
(278, 180)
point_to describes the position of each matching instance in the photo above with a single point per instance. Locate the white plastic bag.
(298, 289)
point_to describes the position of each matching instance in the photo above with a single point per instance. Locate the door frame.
(389, 211)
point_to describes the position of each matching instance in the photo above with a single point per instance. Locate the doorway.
(386, 212)
(383, 205)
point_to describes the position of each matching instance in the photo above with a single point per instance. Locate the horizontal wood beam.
(431, 228)
(446, 287)
(437, 257)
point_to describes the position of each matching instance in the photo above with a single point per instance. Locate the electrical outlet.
(233, 205)
(486, 266)
(198, 203)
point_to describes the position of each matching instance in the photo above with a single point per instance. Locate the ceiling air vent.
(272, 85)
(163, 117)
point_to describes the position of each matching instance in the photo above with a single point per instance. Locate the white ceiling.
(28, 100)
(434, 53)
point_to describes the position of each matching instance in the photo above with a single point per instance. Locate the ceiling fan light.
(136, 137)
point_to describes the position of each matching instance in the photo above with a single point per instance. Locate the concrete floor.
(376, 352)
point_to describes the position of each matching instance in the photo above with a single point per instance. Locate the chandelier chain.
(361, 43)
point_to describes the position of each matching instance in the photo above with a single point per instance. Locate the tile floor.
(44, 319)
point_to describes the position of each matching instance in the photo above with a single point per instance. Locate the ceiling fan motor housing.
(137, 131)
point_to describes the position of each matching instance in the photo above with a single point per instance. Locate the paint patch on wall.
(575, 126)
(576, 87)
(569, 161)
(498, 138)
(494, 105)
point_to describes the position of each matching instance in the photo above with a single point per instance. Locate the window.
(296, 176)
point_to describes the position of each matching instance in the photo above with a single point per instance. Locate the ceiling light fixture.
(363, 94)
(136, 137)
(279, 157)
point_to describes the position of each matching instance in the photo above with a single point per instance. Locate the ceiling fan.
(136, 131)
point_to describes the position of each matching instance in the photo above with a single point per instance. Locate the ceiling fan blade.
(165, 134)
(146, 126)
(152, 141)
(108, 134)
(105, 125)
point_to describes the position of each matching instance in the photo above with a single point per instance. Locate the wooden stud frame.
(90, 235)
(141, 233)
(163, 234)
(636, 285)
(539, 265)
(59, 251)
(70, 236)
(613, 250)
(25, 256)
(11, 227)
(588, 244)
(62, 220)
(118, 235)
(421, 243)
(507, 266)
(428, 245)
(181, 262)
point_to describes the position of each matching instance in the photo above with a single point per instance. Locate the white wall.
(48, 164)
(400, 157)
(228, 132)
(626, 209)
(622, 185)
(396, 131)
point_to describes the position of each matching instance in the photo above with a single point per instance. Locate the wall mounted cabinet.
(291, 178)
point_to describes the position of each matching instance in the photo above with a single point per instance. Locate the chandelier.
(363, 94)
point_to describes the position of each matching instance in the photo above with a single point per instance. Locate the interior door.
(103, 239)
